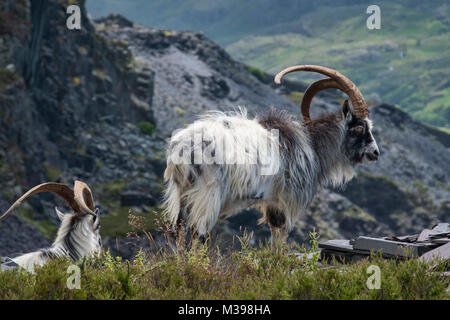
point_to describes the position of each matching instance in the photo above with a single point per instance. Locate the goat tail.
(172, 196)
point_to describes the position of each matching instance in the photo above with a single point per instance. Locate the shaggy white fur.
(204, 182)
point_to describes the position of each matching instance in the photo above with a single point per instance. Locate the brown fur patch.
(322, 131)
(284, 123)
(275, 217)
(318, 127)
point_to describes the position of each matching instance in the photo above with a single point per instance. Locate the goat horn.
(312, 90)
(60, 189)
(83, 197)
(359, 105)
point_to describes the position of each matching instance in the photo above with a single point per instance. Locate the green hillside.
(407, 62)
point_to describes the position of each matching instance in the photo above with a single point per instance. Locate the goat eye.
(358, 130)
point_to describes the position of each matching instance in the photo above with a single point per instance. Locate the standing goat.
(307, 154)
(79, 233)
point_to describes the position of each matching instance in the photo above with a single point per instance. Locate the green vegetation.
(131, 62)
(46, 227)
(356, 212)
(146, 127)
(295, 96)
(111, 190)
(52, 172)
(117, 223)
(446, 130)
(121, 220)
(252, 273)
(7, 77)
(259, 74)
(180, 111)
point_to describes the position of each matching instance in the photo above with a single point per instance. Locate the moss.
(446, 130)
(442, 185)
(99, 163)
(180, 111)
(8, 195)
(7, 77)
(357, 212)
(158, 155)
(76, 81)
(384, 179)
(420, 187)
(112, 190)
(130, 62)
(259, 74)
(116, 224)
(99, 73)
(419, 211)
(46, 227)
(82, 50)
(24, 213)
(101, 39)
(146, 127)
(52, 172)
(295, 96)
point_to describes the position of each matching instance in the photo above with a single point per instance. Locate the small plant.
(259, 74)
(139, 258)
(7, 77)
(110, 262)
(198, 256)
(146, 127)
(315, 253)
(52, 172)
(138, 225)
(124, 277)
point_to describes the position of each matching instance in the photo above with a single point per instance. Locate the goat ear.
(60, 214)
(96, 218)
(346, 111)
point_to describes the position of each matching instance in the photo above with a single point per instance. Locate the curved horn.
(359, 105)
(312, 90)
(60, 189)
(83, 198)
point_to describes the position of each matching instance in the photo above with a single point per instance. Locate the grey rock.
(135, 198)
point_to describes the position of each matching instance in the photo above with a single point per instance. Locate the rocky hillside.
(406, 62)
(99, 104)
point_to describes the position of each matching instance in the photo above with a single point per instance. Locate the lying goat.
(306, 155)
(79, 233)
